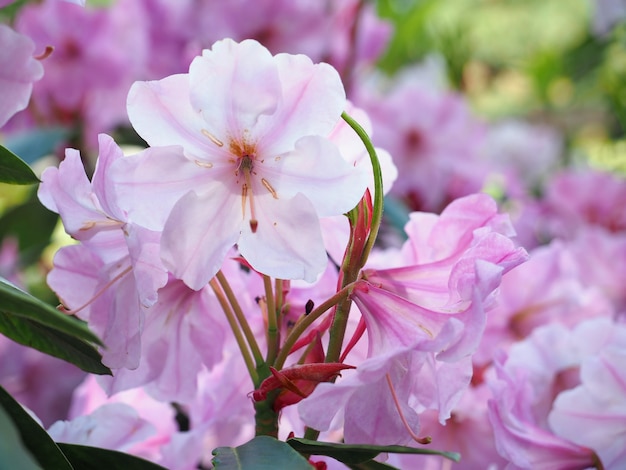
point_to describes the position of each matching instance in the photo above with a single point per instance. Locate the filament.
(415, 437)
(98, 294)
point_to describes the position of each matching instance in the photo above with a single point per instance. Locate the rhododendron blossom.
(258, 169)
(423, 322)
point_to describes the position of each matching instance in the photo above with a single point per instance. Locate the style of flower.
(258, 169)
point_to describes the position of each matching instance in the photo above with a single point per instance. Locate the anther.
(212, 138)
(203, 164)
(269, 187)
(45, 54)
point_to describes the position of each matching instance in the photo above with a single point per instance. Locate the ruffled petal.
(313, 100)
(249, 88)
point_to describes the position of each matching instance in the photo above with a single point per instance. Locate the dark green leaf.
(261, 453)
(372, 465)
(14, 170)
(13, 454)
(17, 302)
(35, 438)
(31, 322)
(53, 342)
(94, 458)
(359, 453)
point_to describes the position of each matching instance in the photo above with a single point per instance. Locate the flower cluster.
(220, 219)
(242, 276)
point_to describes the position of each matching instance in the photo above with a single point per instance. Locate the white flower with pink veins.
(257, 168)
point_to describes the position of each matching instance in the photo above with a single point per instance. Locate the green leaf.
(13, 454)
(261, 453)
(34, 437)
(94, 458)
(17, 302)
(359, 453)
(31, 322)
(53, 342)
(14, 170)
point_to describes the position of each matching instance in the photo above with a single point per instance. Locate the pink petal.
(288, 243)
(313, 100)
(151, 182)
(67, 190)
(199, 232)
(161, 113)
(18, 70)
(316, 169)
(108, 153)
(249, 88)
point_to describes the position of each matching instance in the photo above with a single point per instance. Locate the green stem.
(273, 336)
(306, 321)
(265, 418)
(241, 318)
(241, 342)
(378, 198)
(354, 261)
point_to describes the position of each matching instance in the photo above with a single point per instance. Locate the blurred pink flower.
(97, 54)
(434, 140)
(552, 286)
(571, 202)
(593, 414)
(18, 70)
(345, 34)
(538, 370)
(258, 168)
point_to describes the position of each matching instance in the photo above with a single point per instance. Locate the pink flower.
(550, 287)
(454, 262)
(530, 431)
(18, 70)
(113, 249)
(183, 327)
(423, 322)
(593, 414)
(571, 202)
(258, 169)
(434, 139)
(97, 54)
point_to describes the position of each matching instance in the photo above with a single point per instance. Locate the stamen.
(45, 54)
(98, 294)
(415, 437)
(268, 186)
(203, 164)
(212, 138)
